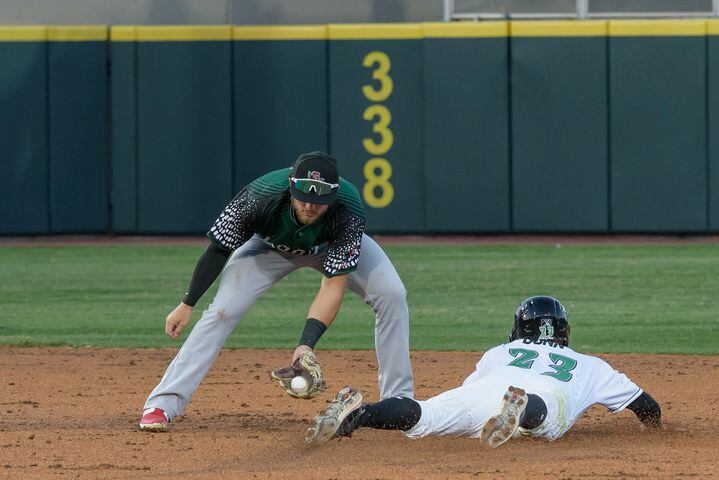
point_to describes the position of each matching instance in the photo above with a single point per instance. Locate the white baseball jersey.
(569, 383)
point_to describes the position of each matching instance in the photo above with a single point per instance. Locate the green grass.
(638, 298)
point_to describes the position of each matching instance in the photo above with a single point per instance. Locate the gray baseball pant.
(251, 271)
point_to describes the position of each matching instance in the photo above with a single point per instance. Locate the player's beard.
(307, 215)
(309, 219)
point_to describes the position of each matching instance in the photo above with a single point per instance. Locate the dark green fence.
(559, 127)
(487, 127)
(54, 130)
(658, 127)
(280, 97)
(713, 125)
(182, 116)
(78, 132)
(24, 202)
(466, 127)
(124, 204)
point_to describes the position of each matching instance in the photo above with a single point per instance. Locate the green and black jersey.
(264, 208)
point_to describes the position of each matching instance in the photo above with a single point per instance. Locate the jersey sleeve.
(343, 251)
(236, 223)
(613, 389)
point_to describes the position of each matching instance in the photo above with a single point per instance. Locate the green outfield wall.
(24, 196)
(123, 114)
(658, 126)
(182, 123)
(559, 136)
(54, 131)
(280, 97)
(481, 127)
(78, 129)
(466, 127)
(713, 125)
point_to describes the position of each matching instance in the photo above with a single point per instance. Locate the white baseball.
(299, 384)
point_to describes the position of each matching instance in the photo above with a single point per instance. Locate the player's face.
(308, 213)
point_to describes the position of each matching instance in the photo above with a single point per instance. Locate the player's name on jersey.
(534, 341)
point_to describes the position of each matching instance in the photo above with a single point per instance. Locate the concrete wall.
(215, 12)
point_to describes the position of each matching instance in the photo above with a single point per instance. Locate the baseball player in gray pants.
(304, 216)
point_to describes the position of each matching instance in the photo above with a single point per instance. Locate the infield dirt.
(72, 413)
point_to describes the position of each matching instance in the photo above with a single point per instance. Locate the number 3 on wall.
(380, 127)
(381, 74)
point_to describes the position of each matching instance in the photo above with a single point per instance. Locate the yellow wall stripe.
(84, 33)
(41, 33)
(124, 33)
(465, 29)
(376, 31)
(298, 32)
(23, 33)
(657, 28)
(535, 28)
(558, 28)
(171, 33)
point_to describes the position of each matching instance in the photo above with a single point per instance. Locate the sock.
(396, 413)
(534, 414)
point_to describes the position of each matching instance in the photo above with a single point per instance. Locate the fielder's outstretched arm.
(328, 300)
(208, 268)
(322, 312)
(647, 410)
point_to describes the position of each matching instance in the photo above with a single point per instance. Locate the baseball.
(299, 384)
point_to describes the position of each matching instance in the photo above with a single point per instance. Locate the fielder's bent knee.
(395, 295)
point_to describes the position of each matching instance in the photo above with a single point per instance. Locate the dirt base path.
(71, 413)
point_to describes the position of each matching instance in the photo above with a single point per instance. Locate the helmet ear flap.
(513, 334)
(566, 338)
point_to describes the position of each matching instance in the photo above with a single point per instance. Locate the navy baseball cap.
(314, 178)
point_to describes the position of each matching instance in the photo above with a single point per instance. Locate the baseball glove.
(306, 366)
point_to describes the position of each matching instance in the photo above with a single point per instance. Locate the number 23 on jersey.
(562, 365)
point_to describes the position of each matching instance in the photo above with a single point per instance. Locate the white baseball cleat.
(328, 423)
(501, 427)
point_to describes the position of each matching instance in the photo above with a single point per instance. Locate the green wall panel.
(23, 138)
(466, 140)
(559, 134)
(280, 104)
(184, 134)
(78, 136)
(402, 211)
(713, 105)
(658, 134)
(124, 141)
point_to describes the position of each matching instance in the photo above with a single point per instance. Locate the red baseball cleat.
(154, 420)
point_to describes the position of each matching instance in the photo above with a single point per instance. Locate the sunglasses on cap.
(318, 187)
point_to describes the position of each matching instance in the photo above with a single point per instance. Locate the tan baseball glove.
(306, 366)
